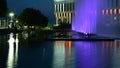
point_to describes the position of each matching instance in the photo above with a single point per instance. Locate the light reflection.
(13, 51)
(68, 45)
(110, 44)
(25, 35)
(16, 52)
(62, 54)
(68, 48)
(59, 54)
(100, 55)
(114, 51)
(86, 55)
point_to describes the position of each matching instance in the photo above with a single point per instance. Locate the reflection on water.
(105, 54)
(81, 54)
(13, 51)
(59, 54)
(25, 36)
(62, 54)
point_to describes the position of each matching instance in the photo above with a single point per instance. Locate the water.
(17, 53)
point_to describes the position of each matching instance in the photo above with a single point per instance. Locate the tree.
(3, 8)
(32, 17)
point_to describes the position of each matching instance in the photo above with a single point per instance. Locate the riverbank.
(8, 31)
(33, 35)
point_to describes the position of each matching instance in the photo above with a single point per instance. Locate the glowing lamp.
(11, 14)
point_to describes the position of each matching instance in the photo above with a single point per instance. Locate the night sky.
(45, 6)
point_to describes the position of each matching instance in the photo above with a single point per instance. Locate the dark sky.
(45, 6)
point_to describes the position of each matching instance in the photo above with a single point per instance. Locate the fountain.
(85, 16)
(88, 18)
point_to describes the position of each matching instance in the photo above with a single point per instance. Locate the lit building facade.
(100, 17)
(64, 11)
(111, 12)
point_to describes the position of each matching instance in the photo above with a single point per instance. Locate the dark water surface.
(15, 52)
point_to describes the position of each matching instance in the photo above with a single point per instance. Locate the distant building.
(64, 11)
(3, 23)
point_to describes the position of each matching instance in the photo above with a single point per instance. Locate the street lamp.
(11, 14)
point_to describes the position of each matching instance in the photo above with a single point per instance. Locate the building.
(111, 12)
(3, 11)
(3, 23)
(64, 11)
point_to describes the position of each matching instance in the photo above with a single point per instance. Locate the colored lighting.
(119, 11)
(94, 16)
(110, 11)
(103, 12)
(114, 11)
(85, 18)
(106, 11)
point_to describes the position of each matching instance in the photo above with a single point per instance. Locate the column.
(63, 7)
(70, 18)
(55, 7)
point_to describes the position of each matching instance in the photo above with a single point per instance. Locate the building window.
(60, 8)
(115, 11)
(65, 7)
(65, 14)
(119, 11)
(110, 11)
(103, 12)
(106, 11)
(60, 14)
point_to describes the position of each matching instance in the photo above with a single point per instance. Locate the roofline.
(64, 2)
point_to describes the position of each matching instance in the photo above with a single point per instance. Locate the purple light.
(89, 18)
(85, 16)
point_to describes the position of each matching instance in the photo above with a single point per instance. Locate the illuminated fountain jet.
(85, 16)
(88, 18)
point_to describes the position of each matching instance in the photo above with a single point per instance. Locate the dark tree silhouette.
(3, 8)
(32, 17)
